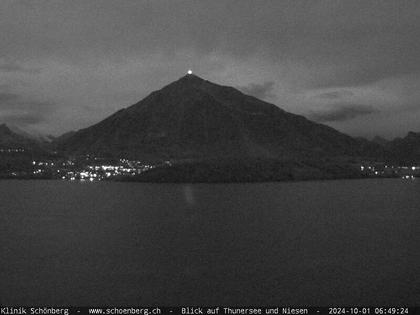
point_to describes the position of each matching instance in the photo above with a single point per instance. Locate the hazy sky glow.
(354, 65)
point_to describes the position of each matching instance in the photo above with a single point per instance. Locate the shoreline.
(130, 180)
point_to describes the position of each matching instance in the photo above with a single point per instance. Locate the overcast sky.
(354, 65)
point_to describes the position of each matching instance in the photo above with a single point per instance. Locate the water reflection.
(189, 194)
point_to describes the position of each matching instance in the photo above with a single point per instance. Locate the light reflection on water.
(189, 194)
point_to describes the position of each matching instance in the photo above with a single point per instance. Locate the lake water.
(303, 243)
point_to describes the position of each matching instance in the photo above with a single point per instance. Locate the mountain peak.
(190, 78)
(189, 82)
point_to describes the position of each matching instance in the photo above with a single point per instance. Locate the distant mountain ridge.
(12, 140)
(38, 137)
(192, 118)
(17, 154)
(407, 149)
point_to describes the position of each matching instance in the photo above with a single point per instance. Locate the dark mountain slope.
(194, 118)
(405, 150)
(381, 141)
(17, 152)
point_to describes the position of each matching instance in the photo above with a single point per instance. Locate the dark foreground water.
(306, 243)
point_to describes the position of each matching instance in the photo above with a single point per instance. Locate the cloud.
(4, 87)
(335, 94)
(338, 42)
(342, 113)
(22, 111)
(7, 97)
(14, 67)
(261, 91)
(22, 119)
(10, 67)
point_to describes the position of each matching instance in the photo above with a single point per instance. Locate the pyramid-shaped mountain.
(192, 118)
